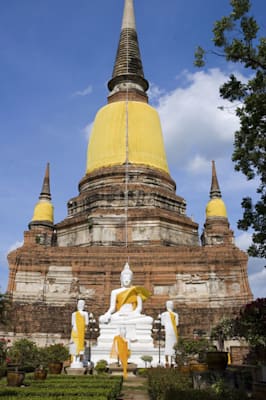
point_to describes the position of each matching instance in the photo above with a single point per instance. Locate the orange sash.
(120, 350)
(129, 296)
(78, 336)
(172, 316)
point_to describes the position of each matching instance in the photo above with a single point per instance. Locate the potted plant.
(147, 359)
(189, 353)
(55, 355)
(101, 367)
(40, 373)
(23, 355)
(218, 359)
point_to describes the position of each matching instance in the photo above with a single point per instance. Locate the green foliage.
(237, 37)
(101, 366)
(65, 387)
(169, 384)
(54, 353)
(142, 372)
(224, 330)
(251, 323)
(162, 381)
(194, 346)
(28, 356)
(24, 353)
(146, 359)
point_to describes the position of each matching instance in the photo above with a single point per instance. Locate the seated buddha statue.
(126, 301)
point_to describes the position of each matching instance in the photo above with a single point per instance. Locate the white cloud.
(14, 246)
(87, 130)
(198, 165)
(155, 93)
(84, 92)
(194, 127)
(258, 283)
(244, 240)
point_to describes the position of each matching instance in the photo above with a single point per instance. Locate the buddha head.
(81, 305)
(170, 305)
(126, 276)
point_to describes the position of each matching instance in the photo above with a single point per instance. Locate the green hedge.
(58, 398)
(170, 384)
(64, 387)
(162, 380)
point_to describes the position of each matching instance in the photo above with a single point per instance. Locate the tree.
(237, 38)
(251, 323)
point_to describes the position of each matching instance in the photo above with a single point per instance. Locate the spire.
(129, 16)
(128, 72)
(215, 207)
(45, 193)
(216, 228)
(44, 211)
(215, 192)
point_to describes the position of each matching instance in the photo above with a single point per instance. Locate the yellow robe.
(78, 336)
(121, 351)
(129, 296)
(173, 321)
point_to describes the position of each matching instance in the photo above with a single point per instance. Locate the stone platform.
(138, 333)
(116, 369)
(76, 371)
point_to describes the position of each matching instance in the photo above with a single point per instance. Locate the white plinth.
(76, 364)
(138, 334)
(76, 371)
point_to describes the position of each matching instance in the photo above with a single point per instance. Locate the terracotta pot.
(55, 368)
(184, 369)
(198, 367)
(217, 360)
(259, 390)
(40, 374)
(15, 378)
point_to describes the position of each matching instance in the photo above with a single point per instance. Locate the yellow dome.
(216, 208)
(107, 145)
(43, 211)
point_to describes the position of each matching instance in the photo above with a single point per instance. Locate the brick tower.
(126, 209)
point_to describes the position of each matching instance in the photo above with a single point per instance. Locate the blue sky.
(56, 57)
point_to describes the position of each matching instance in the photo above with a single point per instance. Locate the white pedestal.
(76, 371)
(140, 341)
(76, 364)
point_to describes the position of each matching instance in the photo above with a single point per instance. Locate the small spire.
(43, 214)
(45, 193)
(128, 72)
(215, 189)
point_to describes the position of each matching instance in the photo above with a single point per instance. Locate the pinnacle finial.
(215, 189)
(129, 15)
(43, 215)
(45, 192)
(128, 71)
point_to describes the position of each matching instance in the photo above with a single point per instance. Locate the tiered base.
(138, 334)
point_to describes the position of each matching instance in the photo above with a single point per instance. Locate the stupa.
(126, 209)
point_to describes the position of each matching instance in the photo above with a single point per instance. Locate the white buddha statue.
(170, 321)
(79, 322)
(126, 301)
